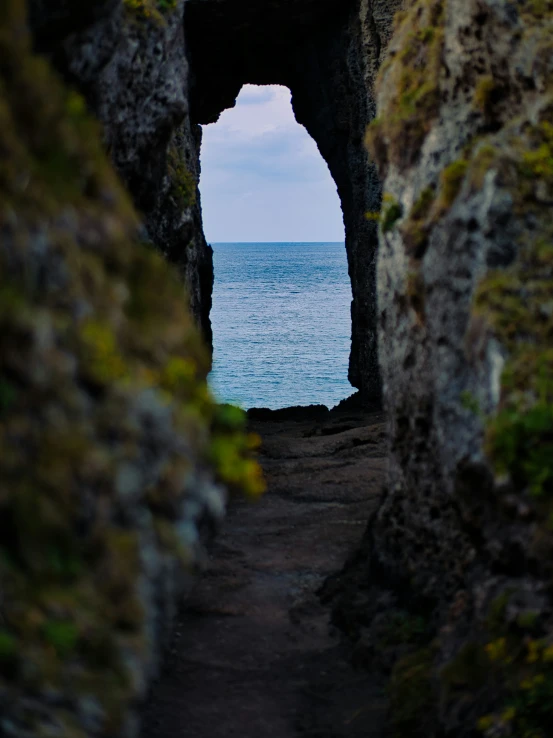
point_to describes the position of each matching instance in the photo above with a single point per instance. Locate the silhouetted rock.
(300, 413)
(327, 52)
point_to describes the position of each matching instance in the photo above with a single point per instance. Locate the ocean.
(281, 324)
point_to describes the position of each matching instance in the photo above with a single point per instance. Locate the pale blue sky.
(263, 178)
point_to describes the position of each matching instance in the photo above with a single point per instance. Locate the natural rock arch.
(326, 53)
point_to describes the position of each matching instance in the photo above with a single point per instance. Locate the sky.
(263, 178)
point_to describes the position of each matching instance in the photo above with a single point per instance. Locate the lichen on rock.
(463, 140)
(113, 455)
(129, 62)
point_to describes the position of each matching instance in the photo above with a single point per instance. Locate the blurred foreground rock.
(112, 453)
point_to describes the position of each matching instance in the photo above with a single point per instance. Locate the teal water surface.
(281, 324)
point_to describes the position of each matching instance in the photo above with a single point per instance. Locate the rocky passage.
(254, 652)
(113, 454)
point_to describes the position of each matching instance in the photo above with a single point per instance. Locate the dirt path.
(255, 655)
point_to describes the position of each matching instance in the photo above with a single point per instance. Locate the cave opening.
(326, 53)
(281, 296)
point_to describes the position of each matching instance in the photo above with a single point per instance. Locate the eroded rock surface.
(452, 584)
(464, 142)
(129, 61)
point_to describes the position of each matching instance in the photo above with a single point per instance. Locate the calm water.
(281, 324)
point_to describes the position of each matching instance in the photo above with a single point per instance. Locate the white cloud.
(258, 111)
(254, 94)
(262, 175)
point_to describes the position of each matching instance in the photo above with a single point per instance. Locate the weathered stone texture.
(129, 61)
(112, 452)
(463, 141)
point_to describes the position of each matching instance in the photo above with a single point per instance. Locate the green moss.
(483, 93)
(422, 206)
(63, 636)
(520, 441)
(537, 160)
(430, 206)
(411, 695)
(483, 159)
(183, 183)
(102, 369)
(413, 83)
(469, 669)
(528, 620)
(496, 616)
(100, 355)
(470, 403)
(527, 673)
(404, 628)
(539, 8)
(150, 10)
(451, 180)
(8, 646)
(373, 215)
(416, 229)
(8, 395)
(238, 472)
(392, 211)
(230, 417)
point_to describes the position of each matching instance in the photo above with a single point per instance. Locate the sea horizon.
(281, 325)
(282, 243)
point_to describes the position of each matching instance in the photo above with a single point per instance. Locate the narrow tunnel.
(326, 65)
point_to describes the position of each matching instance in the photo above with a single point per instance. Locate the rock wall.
(332, 81)
(128, 59)
(113, 457)
(461, 546)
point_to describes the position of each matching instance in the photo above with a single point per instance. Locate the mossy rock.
(466, 278)
(183, 185)
(150, 10)
(413, 72)
(112, 450)
(412, 696)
